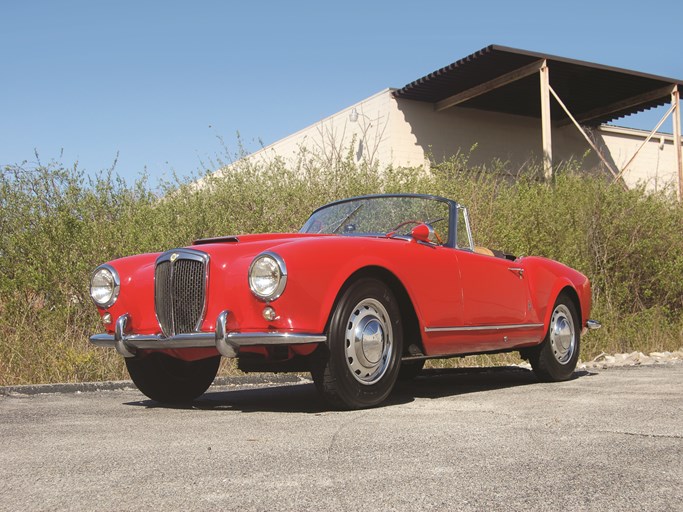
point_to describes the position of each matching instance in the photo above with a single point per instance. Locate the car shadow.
(442, 382)
(432, 383)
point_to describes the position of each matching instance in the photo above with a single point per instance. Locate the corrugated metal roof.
(582, 86)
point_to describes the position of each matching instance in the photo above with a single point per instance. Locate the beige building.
(509, 105)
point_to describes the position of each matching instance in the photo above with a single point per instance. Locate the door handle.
(517, 270)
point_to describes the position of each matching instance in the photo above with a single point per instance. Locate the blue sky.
(161, 82)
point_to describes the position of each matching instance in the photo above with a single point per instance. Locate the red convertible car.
(361, 296)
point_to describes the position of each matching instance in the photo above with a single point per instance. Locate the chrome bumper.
(227, 343)
(591, 325)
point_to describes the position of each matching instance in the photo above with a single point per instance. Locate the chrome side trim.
(227, 343)
(593, 324)
(474, 328)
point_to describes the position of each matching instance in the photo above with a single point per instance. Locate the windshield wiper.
(347, 218)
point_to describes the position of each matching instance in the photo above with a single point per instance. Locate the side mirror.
(422, 233)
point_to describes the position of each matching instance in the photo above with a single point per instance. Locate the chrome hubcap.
(368, 341)
(562, 334)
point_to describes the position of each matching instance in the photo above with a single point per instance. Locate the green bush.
(57, 224)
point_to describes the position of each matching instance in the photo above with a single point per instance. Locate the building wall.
(517, 140)
(408, 133)
(369, 137)
(655, 164)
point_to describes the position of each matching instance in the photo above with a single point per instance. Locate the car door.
(492, 298)
(484, 308)
(494, 290)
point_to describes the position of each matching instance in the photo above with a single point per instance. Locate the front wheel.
(555, 358)
(170, 380)
(359, 365)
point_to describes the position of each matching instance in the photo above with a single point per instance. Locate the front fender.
(315, 283)
(318, 272)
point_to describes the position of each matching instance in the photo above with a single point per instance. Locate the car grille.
(180, 291)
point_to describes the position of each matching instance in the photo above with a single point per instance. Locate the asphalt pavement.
(467, 439)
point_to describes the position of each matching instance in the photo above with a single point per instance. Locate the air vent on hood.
(217, 240)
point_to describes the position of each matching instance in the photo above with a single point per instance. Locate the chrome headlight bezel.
(115, 285)
(274, 291)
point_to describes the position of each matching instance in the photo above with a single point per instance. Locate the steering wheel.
(405, 223)
(416, 222)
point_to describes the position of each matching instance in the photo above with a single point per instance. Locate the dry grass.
(34, 351)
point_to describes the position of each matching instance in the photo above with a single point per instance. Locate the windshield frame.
(452, 212)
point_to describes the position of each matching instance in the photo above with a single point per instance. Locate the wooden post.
(675, 101)
(546, 122)
(647, 139)
(585, 135)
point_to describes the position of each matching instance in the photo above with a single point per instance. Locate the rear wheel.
(359, 365)
(555, 358)
(170, 380)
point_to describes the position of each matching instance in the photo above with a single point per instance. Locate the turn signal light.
(269, 313)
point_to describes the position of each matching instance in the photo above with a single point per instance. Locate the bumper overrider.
(226, 342)
(591, 325)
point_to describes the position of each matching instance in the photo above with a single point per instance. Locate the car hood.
(250, 245)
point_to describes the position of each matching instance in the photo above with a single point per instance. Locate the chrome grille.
(180, 290)
(162, 297)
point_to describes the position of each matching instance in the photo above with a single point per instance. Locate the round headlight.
(267, 276)
(104, 286)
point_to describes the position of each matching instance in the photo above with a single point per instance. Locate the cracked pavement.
(460, 439)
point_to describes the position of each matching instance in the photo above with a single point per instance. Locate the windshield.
(382, 216)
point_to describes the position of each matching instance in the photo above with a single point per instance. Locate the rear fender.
(561, 286)
(548, 279)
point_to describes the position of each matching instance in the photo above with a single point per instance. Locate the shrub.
(57, 224)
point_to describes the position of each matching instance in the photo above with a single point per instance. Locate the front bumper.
(227, 343)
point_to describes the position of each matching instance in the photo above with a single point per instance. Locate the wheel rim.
(562, 334)
(369, 341)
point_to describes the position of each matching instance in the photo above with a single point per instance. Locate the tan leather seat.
(483, 250)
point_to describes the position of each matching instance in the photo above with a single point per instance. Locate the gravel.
(605, 361)
(632, 359)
